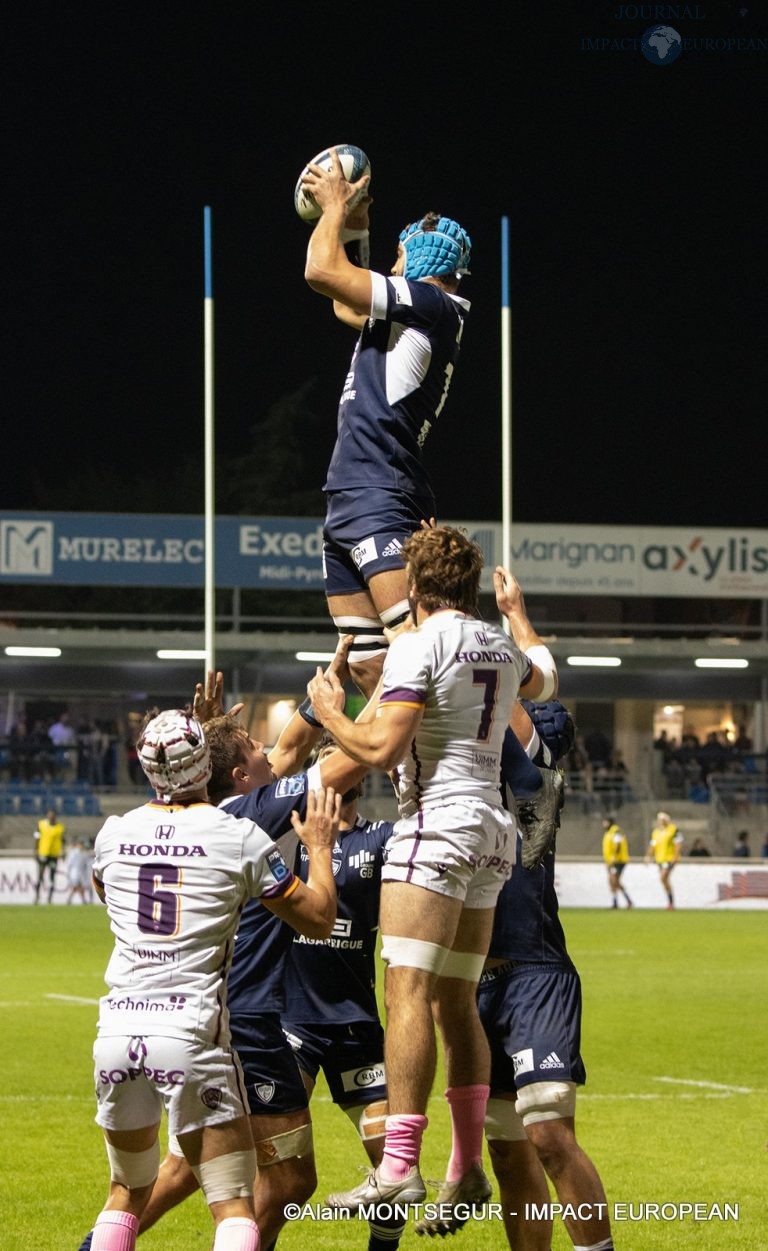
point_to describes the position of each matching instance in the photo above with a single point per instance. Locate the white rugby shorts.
(464, 849)
(198, 1084)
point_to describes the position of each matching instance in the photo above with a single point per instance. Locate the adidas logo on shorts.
(552, 1061)
(393, 548)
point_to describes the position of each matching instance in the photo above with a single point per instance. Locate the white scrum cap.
(174, 754)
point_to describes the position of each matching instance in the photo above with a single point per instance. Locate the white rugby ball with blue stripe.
(354, 164)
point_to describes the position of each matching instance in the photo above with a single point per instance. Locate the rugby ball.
(354, 163)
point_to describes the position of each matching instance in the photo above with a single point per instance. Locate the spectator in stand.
(743, 742)
(17, 748)
(699, 849)
(741, 846)
(577, 761)
(39, 753)
(64, 739)
(712, 756)
(663, 745)
(764, 849)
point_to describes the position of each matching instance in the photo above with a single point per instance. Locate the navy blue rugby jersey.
(255, 982)
(526, 925)
(332, 980)
(396, 386)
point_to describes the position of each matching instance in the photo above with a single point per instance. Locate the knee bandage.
(227, 1176)
(294, 1142)
(393, 616)
(369, 1119)
(546, 1101)
(467, 965)
(134, 1169)
(367, 636)
(413, 953)
(502, 1124)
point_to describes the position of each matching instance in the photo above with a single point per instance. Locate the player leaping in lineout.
(411, 325)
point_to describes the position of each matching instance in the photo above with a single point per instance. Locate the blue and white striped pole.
(506, 401)
(210, 574)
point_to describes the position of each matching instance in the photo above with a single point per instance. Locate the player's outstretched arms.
(300, 734)
(542, 682)
(328, 269)
(311, 907)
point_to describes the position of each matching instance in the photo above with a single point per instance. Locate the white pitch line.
(71, 999)
(689, 1081)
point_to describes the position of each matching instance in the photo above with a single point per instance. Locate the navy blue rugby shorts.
(531, 1014)
(351, 1057)
(272, 1076)
(364, 533)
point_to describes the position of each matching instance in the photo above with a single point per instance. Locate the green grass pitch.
(675, 1109)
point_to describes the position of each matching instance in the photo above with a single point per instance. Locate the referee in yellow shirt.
(616, 857)
(49, 845)
(664, 848)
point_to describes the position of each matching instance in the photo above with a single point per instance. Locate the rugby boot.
(539, 818)
(374, 1189)
(454, 1203)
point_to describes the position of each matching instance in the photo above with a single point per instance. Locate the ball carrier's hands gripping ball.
(354, 165)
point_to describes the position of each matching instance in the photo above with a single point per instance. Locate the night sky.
(636, 197)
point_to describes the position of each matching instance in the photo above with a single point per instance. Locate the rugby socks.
(115, 1231)
(402, 1145)
(236, 1233)
(385, 1235)
(520, 773)
(605, 1245)
(467, 1105)
(85, 1245)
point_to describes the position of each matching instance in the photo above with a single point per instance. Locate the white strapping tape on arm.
(543, 659)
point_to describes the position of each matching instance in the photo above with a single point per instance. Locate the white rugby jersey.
(466, 675)
(175, 879)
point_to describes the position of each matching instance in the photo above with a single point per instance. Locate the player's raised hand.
(207, 701)
(357, 216)
(329, 186)
(509, 597)
(320, 827)
(339, 665)
(326, 695)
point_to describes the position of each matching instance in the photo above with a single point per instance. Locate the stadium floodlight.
(182, 653)
(33, 651)
(721, 662)
(600, 662)
(320, 657)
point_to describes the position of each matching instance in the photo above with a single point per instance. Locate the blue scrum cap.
(435, 253)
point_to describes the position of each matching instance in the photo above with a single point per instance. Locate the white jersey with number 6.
(466, 675)
(175, 880)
